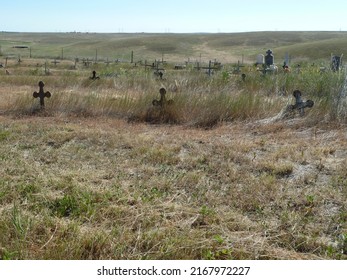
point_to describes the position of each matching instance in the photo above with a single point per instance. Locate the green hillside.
(176, 47)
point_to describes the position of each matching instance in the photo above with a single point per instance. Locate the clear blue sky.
(177, 16)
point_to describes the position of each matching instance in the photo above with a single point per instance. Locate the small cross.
(216, 66)
(94, 77)
(299, 104)
(55, 62)
(41, 94)
(162, 101)
(107, 62)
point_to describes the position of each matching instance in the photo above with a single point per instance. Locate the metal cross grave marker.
(41, 94)
(299, 104)
(94, 77)
(162, 101)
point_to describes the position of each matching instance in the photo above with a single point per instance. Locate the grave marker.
(94, 77)
(76, 61)
(86, 62)
(148, 65)
(260, 59)
(286, 59)
(155, 65)
(237, 69)
(269, 58)
(211, 66)
(107, 62)
(41, 94)
(336, 62)
(46, 69)
(299, 104)
(162, 102)
(55, 62)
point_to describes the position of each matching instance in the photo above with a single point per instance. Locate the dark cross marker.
(162, 101)
(299, 104)
(216, 66)
(41, 94)
(94, 77)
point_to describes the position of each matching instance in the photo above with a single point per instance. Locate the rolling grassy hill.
(177, 47)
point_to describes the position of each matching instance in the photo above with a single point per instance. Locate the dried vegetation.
(101, 174)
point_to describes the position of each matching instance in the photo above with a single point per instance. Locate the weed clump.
(165, 114)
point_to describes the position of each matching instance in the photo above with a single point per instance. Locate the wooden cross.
(86, 62)
(210, 67)
(197, 66)
(41, 94)
(149, 65)
(107, 62)
(237, 69)
(76, 60)
(55, 62)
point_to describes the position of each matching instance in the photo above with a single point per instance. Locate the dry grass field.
(221, 174)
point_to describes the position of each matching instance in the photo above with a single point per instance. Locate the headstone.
(269, 58)
(179, 67)
(336, 62)
(260, 59)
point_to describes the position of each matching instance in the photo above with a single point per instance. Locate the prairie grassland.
(228, 48)
(101, 174)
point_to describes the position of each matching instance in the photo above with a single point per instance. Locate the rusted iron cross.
(299, 104)
(41, 94)
(162, 101)
(94, 77)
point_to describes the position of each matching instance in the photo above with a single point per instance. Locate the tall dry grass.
(86, 188)
(199, 100)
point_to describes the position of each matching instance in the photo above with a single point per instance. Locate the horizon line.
(152, 32)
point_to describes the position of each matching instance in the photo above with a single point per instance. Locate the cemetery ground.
(222, 173)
